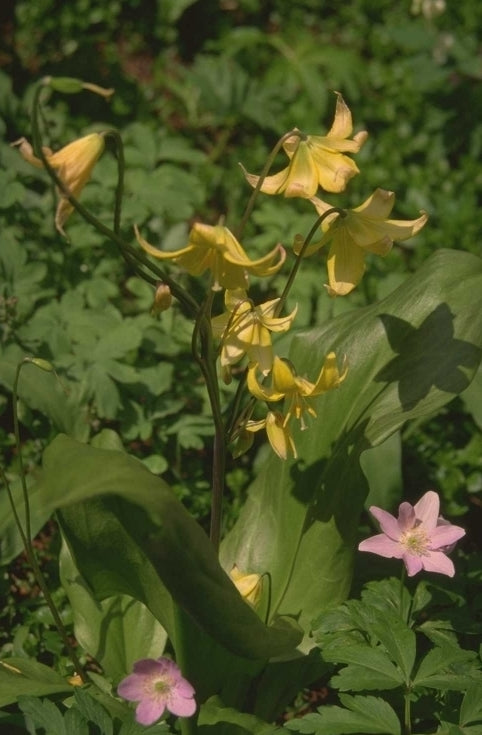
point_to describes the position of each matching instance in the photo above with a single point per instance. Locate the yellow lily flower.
(317, 160)
(216, 248)
(245, 329)
(363, 229)
(278, 433)
(286, 384)
(73, 164)
(249, 586)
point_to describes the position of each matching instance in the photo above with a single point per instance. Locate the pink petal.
(184, 688)
(149, 710)
(446, 535)
(413, 563)
(181, 706)
(132, 688)
(388, 523)
(148, 667)
(381, 545)
(406, 516)
(436, 561)
(427, 510)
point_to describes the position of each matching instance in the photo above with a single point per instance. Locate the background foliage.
(200, 86)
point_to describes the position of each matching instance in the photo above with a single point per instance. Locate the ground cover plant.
(210, 371)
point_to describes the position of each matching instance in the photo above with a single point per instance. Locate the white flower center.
(415, 541)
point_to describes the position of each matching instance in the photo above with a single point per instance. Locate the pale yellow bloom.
(278, 433)
(249, 586)
(286, 384)
(317, 160)
(162, 299)
(363, 229)
(216, 248)
(245, 329)
(73, 165)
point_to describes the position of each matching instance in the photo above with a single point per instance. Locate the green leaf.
(370, 715)
(117, 631)
(142, 542)
(398, 640)
(93, 711)
(407, 356)
(44, 714)
(471, 708)
(436, 670)
(370, 668)
(214, 712)
(20, 676)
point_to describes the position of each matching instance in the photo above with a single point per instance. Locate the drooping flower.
(363, 229)
(419, 536)
(245, 330)
(278, 433)
(157, 685)
(285, 383)
(249, 586)
(73, 164)
(317, 160)
(216, 248)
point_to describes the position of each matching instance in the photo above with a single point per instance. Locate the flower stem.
(25, 534)
(130, 254)
(407, 713)
(119, 192)
(264, 173)
(300, 255)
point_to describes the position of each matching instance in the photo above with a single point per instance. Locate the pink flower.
(419, 536)
(157, 685)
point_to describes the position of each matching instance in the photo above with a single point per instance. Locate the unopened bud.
(70, 85)
(162, 299)
(249, 586)
(40, 363)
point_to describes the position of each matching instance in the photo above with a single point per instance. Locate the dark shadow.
(428, 356)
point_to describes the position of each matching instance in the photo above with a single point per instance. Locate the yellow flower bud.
(249, 586)
(162, 299)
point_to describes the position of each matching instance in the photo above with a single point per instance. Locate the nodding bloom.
(249, 586)
(363, 229)
(73, 165)
(419, 536)
(317, 160)
(278, 433)
(245, 330)
(215, 248)
(286, 384)
(157, 685)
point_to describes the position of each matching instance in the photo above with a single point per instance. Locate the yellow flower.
(216, 248)
(363, 229)
(244, 329)
(278, 433)
(286, 384)
(249, 586)
(73, 164)
(317, 160)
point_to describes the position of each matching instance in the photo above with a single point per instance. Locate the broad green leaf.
(117, 631)
(130, 535)
(44, 714)
(407, 356)
(213, 712)
(25, 676)
(93, 711)
(382, 467)
(359, 715)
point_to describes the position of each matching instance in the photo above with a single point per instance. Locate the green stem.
(407, 713)
(119, 192)
(26, 537)
(300, 255)
(263, 175)
(206, 358)
(188, 725)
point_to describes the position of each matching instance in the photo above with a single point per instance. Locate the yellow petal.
(378, 205)
(249, 586)
(279, 435)
(283, 377)
(329, 377)
(272, 184)
(342, 124)
(263, 393)
(346, 264)
(160, 254)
